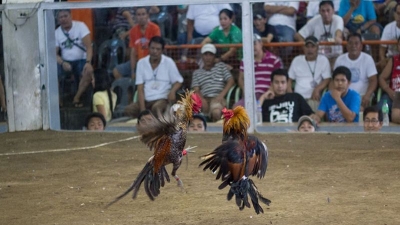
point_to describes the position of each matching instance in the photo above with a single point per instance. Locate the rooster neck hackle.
(237, 123)
(187, 102)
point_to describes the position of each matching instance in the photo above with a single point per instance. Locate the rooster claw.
(179, 182)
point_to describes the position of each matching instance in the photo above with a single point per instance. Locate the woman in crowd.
(104, 99)
(226, 33)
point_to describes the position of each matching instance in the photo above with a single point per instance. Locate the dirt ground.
(311, 179)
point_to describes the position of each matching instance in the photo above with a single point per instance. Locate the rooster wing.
(257, 154)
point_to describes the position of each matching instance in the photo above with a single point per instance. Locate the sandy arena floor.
(311, 179)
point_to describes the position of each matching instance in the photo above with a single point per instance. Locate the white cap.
(208, 48)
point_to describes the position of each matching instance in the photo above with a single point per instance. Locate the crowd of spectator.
(335, 83)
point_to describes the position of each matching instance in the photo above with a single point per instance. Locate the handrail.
(278, 44)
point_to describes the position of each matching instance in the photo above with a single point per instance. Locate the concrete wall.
(21, 60)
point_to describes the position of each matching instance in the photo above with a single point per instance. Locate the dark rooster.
(166, 135)
(238, 157)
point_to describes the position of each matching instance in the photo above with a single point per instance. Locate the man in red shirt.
(140, 36)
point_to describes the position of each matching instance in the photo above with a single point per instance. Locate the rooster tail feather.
(135, 185)
(164, 176)
(256, 196)
(242, 190)
(224, 184)
(147, 187)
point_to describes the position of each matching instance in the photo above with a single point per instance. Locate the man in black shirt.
(262, 28)
(278, 106)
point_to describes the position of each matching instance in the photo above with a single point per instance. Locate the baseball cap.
(208, 48)
(312, 40)
(306, 118)
(259, 15)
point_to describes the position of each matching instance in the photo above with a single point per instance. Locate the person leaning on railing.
(226, 33)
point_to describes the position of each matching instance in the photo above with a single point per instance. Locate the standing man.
(139, 37)
(340, 104)
(364, 79)
(325, 27)
(157, 80)
(212, 82)
(74, 52)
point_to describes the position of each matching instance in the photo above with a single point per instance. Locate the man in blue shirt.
(340, 104)
(359, 16)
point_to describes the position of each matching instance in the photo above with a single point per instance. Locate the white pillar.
(21, 61)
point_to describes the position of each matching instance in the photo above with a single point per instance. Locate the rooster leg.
(173, 173)
(180, 183)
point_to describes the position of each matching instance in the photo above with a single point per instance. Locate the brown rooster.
(238, 157)
(166, 135)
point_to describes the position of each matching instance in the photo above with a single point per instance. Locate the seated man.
(311, 72)
(278, 106)
(262, 28)
(340, 104)
(157, 80)
(364, 79)
(139, 37)
(373, 119)
(389, 80)
(283, 19)
(359, 16)
(74, 52)
(95, 121)
(325, 27)
(264, 64)
(390, 33)
(212, 82)
(198, 123)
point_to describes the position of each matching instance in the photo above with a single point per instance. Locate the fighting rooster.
(166, 136)
(239, 156)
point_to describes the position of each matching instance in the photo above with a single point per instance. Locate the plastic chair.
(112, 47)
(378, 95)
(121, 88)
(228, 96)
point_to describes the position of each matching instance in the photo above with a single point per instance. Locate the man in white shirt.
(313, 8)
(74, 52)
(157, 80)
(391, 32)
(312, 73)
(325, 27)
(283, 18)
(363, 71)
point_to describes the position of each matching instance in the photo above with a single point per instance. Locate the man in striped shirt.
(264, 63)
(212, 82)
